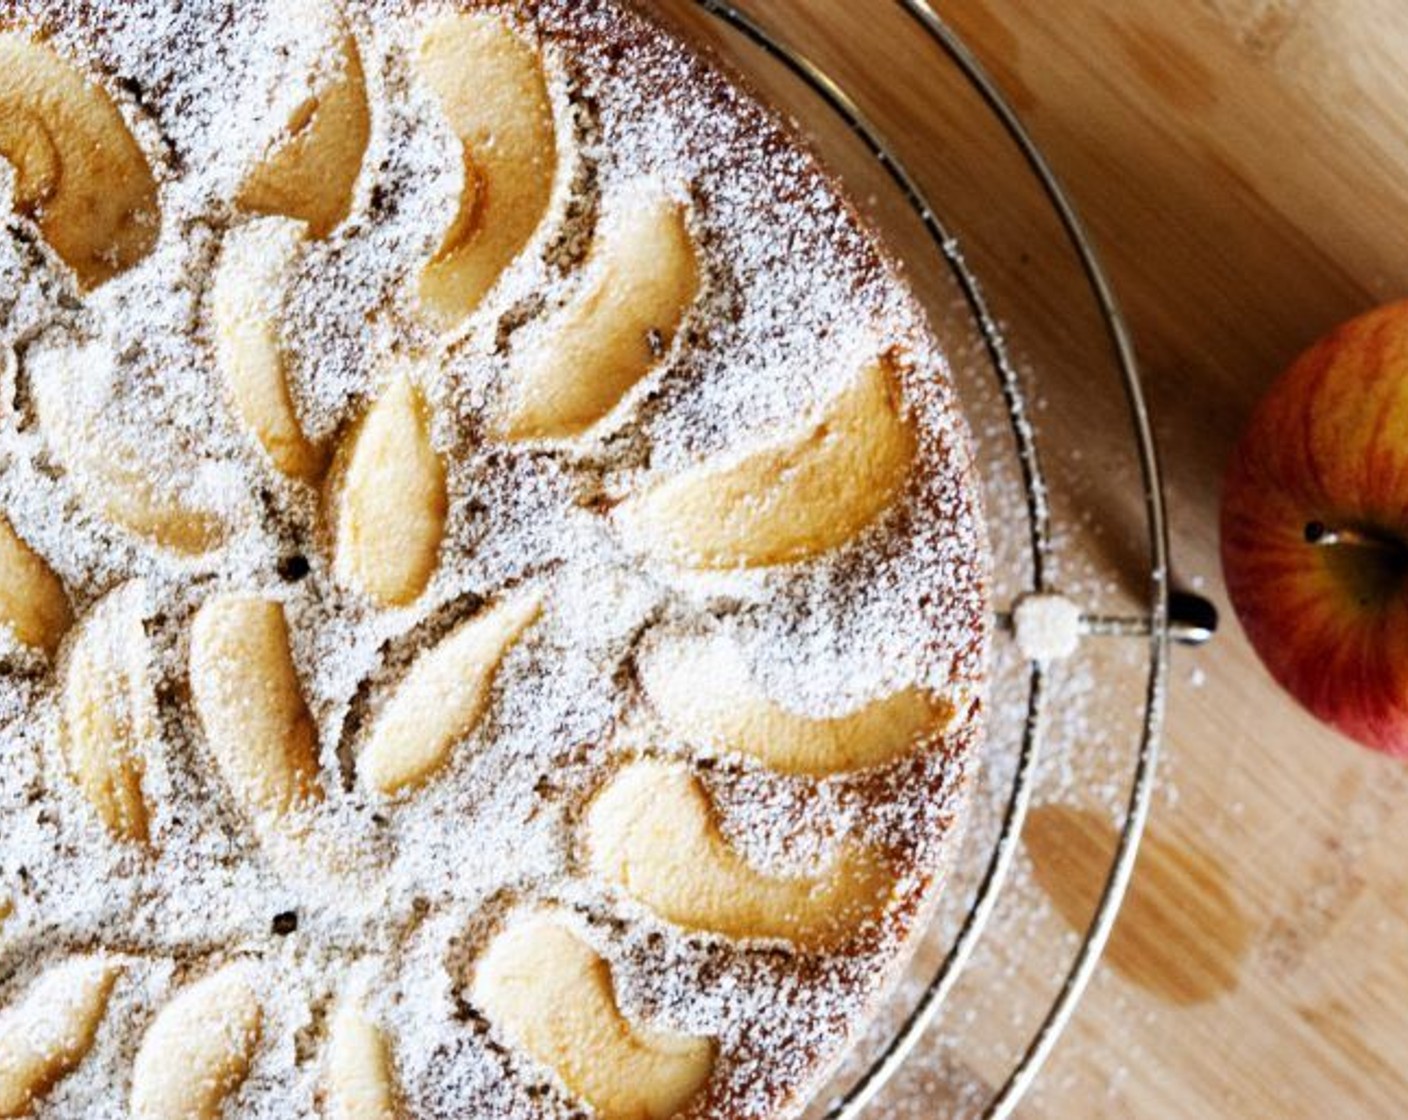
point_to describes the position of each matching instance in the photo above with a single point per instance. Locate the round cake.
(492, 587)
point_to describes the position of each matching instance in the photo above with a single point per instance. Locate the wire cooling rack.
(1167, 616)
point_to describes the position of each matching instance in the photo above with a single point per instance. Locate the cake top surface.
(492, 532)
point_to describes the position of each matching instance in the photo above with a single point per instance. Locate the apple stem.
(1325, 536)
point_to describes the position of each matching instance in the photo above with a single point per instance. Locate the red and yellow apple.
(1315, 529)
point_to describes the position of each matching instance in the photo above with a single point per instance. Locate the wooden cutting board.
(1244, 167)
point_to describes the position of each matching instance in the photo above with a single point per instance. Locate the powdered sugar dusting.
(394, 900)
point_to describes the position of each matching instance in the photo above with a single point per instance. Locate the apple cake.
(492, 589)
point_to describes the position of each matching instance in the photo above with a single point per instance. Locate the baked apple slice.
(250, 703)
(33, 604)
(245, 311)
(492, 91)
(651, 831)
(702, 692)
(309, 169)
(641, 280)
(110, 469)
(796, 499)
(360, 1083)
(51, 1030)
(79, 172)
(198, 1050)
(552, 997)
(390, 500)
(108, 711)
(442, 698)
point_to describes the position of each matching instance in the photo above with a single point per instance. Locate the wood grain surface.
(1243, 165)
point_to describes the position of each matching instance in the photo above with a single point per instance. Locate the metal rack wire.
(1171, 616)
